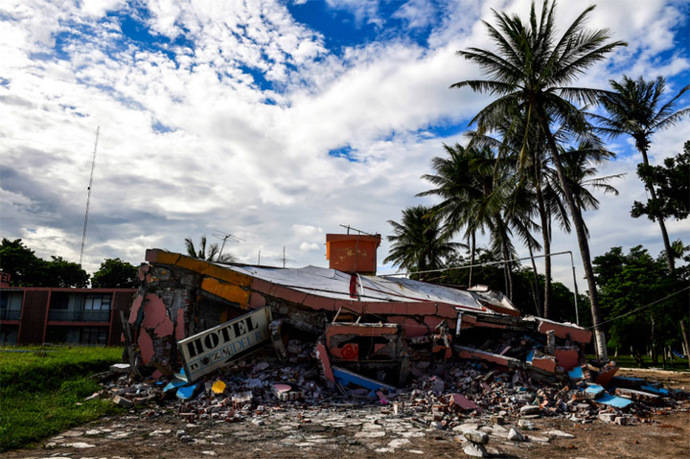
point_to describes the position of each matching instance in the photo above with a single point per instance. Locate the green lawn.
(628, 361)
(41, 386)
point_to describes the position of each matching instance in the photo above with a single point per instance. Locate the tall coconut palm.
(419, 243)
(635, 108)
(213, 253)
(460, 181)
(533, 69)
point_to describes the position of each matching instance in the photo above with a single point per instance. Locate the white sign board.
(213, 348)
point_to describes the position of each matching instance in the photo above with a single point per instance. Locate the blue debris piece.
(613, 400)
(187, 392)
(576, 373)
(346, 377)
(654, 390)
(594, 389)
(182, 375)
(530, 356)
(174, 384)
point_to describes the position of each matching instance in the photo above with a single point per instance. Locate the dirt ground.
(369, 431)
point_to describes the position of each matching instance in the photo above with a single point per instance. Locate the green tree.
(533, 69)
(635, 108)
(115, 273)
(28, 270)
(19, 261)
(213, 253)
(59, 272)
(672, 184)
(628, 282)
(419, 243)
(461, 180)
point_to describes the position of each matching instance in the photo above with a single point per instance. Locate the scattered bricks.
(637, 395)
(123, 402)
(242, 398)
(515, 435)
(476, 436)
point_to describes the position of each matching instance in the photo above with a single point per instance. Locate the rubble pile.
(447, 395)
(234, 343)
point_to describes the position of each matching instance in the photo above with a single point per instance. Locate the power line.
(634, 311)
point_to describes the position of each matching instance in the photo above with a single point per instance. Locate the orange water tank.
(352, 253)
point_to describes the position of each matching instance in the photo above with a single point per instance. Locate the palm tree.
(532, 69)
(634, 108)
(460, 184)
(419, 243)
(213, 251)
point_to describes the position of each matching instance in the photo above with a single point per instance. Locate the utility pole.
(284, 256)
(88, 198)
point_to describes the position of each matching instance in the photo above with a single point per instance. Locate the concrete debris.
(475, 436)
(123, 402)
(474, 450)
(516, 435)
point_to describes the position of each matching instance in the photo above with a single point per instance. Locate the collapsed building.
(364, 324)
(234, 342)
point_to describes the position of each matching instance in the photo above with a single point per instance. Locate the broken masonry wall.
(162, 312)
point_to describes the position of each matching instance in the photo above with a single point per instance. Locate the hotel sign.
(214, 348)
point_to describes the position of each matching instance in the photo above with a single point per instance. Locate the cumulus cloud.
(219, 117)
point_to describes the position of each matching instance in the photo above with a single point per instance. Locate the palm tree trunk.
(664, 234)
(473, 242)
(547, 242)
(536, 279)
(578, 222)
(535, 288)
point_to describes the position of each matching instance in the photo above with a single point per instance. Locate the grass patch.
(628, 361)
(40, 388)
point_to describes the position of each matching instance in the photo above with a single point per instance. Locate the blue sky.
(276, 121)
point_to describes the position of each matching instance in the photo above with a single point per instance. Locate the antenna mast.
(88, 197)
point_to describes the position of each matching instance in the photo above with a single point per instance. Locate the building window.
(8, 334)
(93, 335)
(10, 305)
(97, 303)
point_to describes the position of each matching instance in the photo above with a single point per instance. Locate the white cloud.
(235, 161)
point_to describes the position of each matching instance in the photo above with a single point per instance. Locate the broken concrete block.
(529, 409)
(474, 450)
(607, 417)
(123, 402)
(461, 402)
(525, 424)
(120, 367)
(515, 435)
(558, 434)
(538, 438)
(476, 436)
